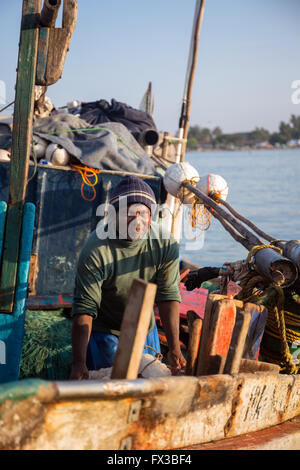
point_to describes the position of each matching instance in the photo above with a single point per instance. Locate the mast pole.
(186, 105)
(191, 69)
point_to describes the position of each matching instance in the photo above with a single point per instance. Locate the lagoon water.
(264, 186)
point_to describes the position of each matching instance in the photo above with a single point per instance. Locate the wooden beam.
(21, 142)
(54, 44)
(49, 12)
(134, 330)
(218, 361)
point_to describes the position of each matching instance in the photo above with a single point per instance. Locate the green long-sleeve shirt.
(106, 269)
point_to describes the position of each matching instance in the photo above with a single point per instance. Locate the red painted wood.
(51, 302)
(221, 328)
(192, 300)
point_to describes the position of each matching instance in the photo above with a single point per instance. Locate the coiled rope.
(258, 289)
(87, 173)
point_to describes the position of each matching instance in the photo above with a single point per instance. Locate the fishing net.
(47, 345)
(200, 217)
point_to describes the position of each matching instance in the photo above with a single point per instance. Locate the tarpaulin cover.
(109, 146)
(97, 112)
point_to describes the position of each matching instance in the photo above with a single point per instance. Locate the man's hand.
(79, 372)
(169, 315)
(177, 361)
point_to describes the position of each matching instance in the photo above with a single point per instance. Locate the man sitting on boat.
(106, 268)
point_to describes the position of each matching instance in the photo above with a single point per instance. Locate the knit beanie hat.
(136, 191)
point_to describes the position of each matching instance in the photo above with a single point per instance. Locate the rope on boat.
(279, 320)
(200, 218)
(87, 173)
(158, 357)
(7, 106)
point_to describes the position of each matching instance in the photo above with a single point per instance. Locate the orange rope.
(201, 217)
(86, 173)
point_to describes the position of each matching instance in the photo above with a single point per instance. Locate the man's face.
(137, 221)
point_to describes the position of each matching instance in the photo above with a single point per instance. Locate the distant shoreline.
(243, 149)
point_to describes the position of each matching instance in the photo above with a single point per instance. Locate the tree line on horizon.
(204, 137)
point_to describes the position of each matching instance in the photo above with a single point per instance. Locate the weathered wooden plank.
(216, 329)
(221, 328)
(58, 45)
(42, 56)
(256, 329)
(201, 365)
(134, 330)
(21, 141)
(237, 343)
(179, 412)
(249, 365)
(49, 12)
(195, 325)
(216, 364)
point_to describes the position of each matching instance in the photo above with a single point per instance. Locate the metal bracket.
(134, 411)
(126, 443)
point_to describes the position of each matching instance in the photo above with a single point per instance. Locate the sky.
(249, 55)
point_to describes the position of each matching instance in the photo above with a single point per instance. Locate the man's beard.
(137, 229)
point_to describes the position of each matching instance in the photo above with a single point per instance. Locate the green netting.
(47, 345)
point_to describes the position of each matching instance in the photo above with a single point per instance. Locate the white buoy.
(175, 175)
(4, 155)
(73, 104)
(39, 147)
(57, 155)
(212, 185)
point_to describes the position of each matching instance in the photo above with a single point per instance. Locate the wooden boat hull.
(161, 413)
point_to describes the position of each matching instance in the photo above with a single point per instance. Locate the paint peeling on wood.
(180, 411)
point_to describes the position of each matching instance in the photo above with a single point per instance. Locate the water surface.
(264, 186)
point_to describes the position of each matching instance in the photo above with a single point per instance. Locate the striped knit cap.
(136, 191)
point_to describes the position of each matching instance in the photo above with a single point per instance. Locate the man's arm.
(81, 332)
(169, 314)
